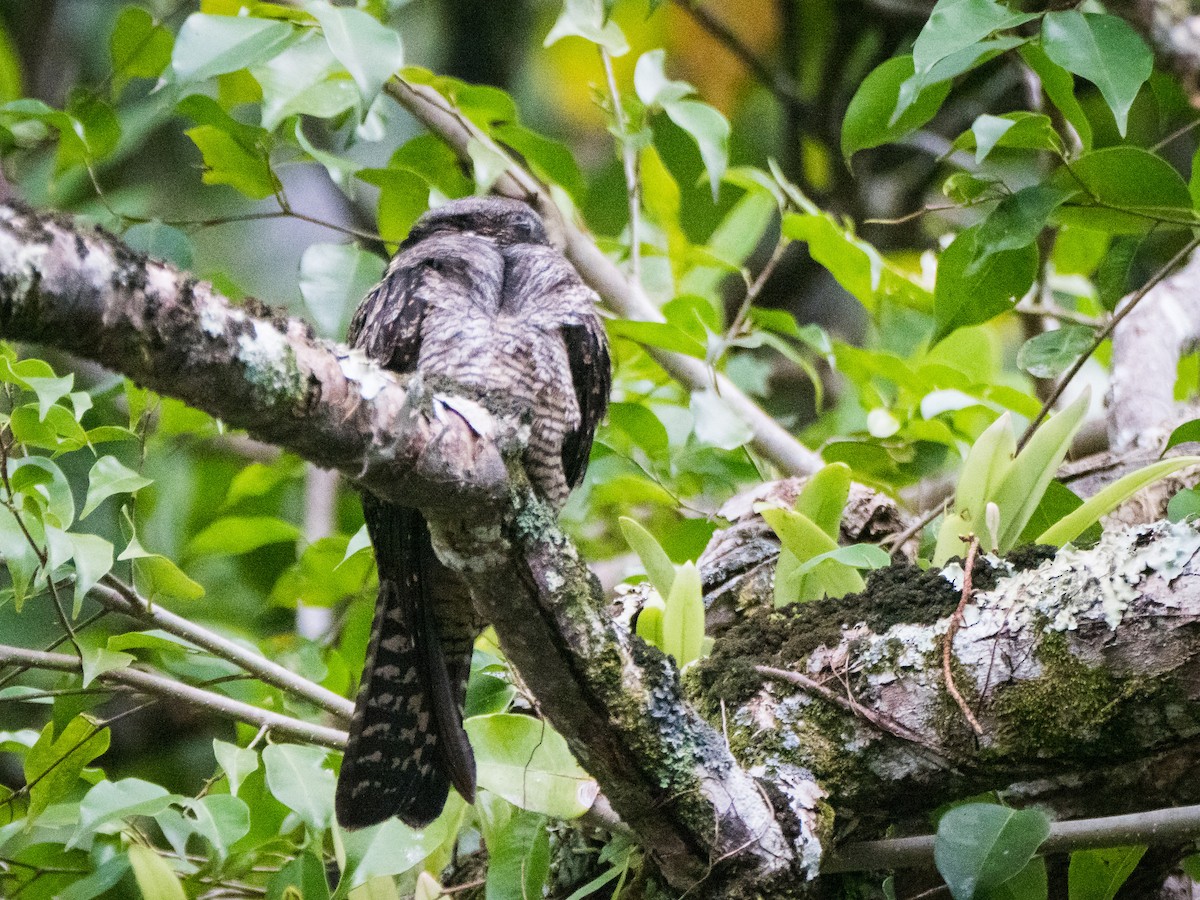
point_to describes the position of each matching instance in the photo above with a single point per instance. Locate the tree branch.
(160, 686)
(666, 772)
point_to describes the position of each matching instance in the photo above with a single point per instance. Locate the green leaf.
(54, 764)
(518, 859)
(108, 477)
(856, 556)
(1060, 88)
(716, 422)
(234, 535)
(220, 819)
(298, 779)
(371, 52)
(803, 540)
(1103, 49)
(710, 130)
(1015, 223)
(823, 498)
(649, 625)
(227, 161)
(304, 876)
(306, 79)
(979, 846)
(236, 762)
(213, 45)
(1051, 353)
(47, 485)
(1028, 884)
(658, 334)
(393, 847)
(140, 48)
(868, 121)
(659, 568)
(1184, 505)
(1026, 479)
(587, 19)
(155, 877)
(642, 426)
(1099, 874)
(527, 763)
(359, 541)
(488, 163)
(1071, 526)
(333, 279)
(106, 876)
(970, 294)
(403, 197)
(108, 804)
(1058, 501)
(1019, 130)
(954, 25)
(683, 616)
(651, 83)
(1124, 190)
(550, 160)
(161, 241)
(49, 391)
(856, 265)
(1187, 433)
(949, 68)
(97, 660)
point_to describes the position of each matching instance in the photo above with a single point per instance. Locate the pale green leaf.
(659, 568)
(236, 762)
(371, 52)
(298, 779)
(155, 877)
(108, 477)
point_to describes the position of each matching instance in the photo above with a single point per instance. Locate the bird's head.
(503, 220)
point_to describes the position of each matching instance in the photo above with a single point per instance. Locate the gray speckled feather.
(476, 296)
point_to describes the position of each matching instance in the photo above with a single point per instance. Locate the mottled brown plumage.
(477, 297)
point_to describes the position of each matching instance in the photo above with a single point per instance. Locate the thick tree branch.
(169, 689)
(667, 773)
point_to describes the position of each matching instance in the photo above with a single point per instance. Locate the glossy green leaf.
(823, 498)
(1187, 433)
(1059, 86)
(1030, 883)
(955, 25)
(105, 877)
(156, 576)
(1015, 223)
(393, 847)
(47, 485)
(1103, 49)
(1071, 526)
(210, 45)
(109, 477)
(710, 130)
(1058, 501)
(1099, 874)
(220, 819)
(298, 779)
(98, 660)
(1184, 505)
(234, 535)
(1019, 130)
(1049, 354)
(305, 78)
(140, 48)
(683, 616)
(518, 859)
(403, 197)
(868, 122)
(108, 804)
(969, 294)
(979, 846)
(49, 391)
(856, 556)
(54, 764)
(236, 762)
(371, 52)
(154, 875)
(948, 68)
(1124, 190)
(305, 874)
(227, 161)
(525, 761)
(659, 568)
(588, 19)
(649, 624)
(333, 280)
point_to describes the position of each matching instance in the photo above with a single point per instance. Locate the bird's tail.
(407, 744)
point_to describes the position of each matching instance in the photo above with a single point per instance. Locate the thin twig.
(633, 181)
(952, 629)
(117, 596)
(1103, 335)
(161, 686)
(882, 721)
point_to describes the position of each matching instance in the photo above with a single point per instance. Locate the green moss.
(1071, 708)
(782, 638)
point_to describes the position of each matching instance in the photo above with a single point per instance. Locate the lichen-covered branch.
(668, 774)
(83, 291)
(1080, 668)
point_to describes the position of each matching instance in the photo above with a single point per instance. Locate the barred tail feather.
(406, 742)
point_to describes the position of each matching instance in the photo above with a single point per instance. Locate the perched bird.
(476, 296)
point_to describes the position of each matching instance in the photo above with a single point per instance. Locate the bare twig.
(119, 597)
(952, 629)
(160, 686)
(633, 181)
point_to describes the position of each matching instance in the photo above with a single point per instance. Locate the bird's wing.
(591, 376)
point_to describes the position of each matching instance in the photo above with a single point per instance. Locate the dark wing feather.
(591, 375)
(387, 324)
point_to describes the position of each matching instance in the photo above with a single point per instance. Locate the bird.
(475, 296)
